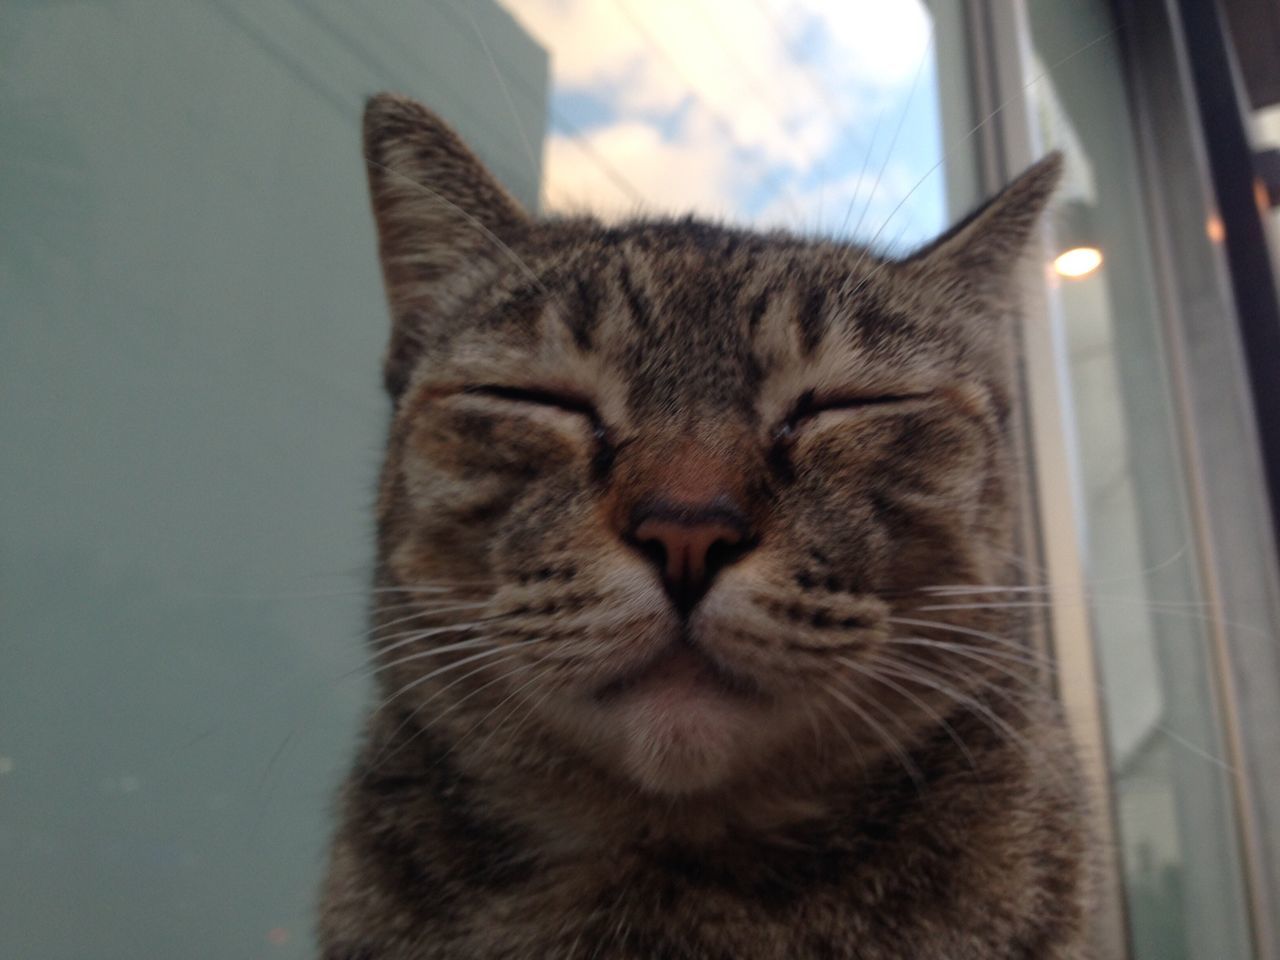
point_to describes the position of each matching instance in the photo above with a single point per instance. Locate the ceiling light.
(1076, 232)
(1078, 262)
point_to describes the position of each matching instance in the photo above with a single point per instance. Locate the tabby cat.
(662, 508)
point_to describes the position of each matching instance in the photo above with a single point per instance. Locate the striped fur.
(852, 411)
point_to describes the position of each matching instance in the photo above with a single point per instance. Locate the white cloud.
(675, 175)
(870, 42)
(708, 99)
(863, 202)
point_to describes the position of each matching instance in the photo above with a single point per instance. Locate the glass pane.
(1173, 793)
(190, 408)
(1266, 132)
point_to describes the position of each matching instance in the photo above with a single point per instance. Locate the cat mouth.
(682, 665)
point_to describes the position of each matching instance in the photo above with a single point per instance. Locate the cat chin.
(676, 744)
(680, 730)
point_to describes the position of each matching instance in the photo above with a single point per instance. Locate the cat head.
(677, 491)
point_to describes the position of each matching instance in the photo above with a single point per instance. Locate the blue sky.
(766, 112)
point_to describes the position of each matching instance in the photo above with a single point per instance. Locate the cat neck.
(567, 807)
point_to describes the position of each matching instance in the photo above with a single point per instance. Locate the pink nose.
(689, 545)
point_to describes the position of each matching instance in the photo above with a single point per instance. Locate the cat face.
(668, 487)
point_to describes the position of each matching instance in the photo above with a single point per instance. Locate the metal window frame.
(1213, 347)
(997, 36)
(1209, 376)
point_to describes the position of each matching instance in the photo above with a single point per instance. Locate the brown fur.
(867, 790)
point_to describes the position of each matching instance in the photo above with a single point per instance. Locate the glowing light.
(1213, 226)
(1078, 262)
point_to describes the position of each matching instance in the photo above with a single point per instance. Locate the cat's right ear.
(978, 258)
(438, 211)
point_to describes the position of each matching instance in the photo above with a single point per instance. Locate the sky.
(816, 115)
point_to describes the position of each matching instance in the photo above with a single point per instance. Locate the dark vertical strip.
(812, 319)
(583, 315)
(756, 313)
(1220, 98)
(636, 301)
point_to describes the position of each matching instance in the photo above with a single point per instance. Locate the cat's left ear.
(439, 213)
(982, 252)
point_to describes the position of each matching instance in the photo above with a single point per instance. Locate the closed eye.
(811, 405)
(606, 446)
(535, 396)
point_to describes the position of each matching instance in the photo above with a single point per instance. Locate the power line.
(558, 120)
(721, 121)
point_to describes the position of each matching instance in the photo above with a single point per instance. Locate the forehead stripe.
(636, 302)
(812, 319)
(582, 315)
(757, 311)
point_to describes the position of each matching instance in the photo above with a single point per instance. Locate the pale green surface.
(190, 419)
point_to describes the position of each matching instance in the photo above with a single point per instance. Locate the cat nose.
(689, 544)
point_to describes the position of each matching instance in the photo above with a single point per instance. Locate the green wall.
(191, 322)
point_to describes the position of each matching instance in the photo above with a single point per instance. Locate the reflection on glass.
(1077, 262)
(1177, 836)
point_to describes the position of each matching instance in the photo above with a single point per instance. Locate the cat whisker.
(984, 656)
(877, 676)
(385, 645)
(862, 173)
(1035, 604)
(1018, 695)
(998, 724)
(381, 645)
(931, 675)
(1182, 611)
(951, 148)
(902, 118)
(395, 734)
(494, 650)
(521, 701)
(815, 724)
(1086, 587)
(517, 694)
(311, 594)
(840, 724)
(890, 742)
(1020, 648)
(972, 650)
(825, 711)
(521, 668)
(1091, 598)
(418, 614)
(1200, 610)
(423, 588)
(531, 707)
(426, 654)
(425, 604)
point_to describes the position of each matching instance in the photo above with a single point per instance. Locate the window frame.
(1234, 553)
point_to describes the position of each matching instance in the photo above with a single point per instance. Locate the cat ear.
(982, 252)
(438, 211)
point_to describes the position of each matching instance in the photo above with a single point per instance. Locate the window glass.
(1172, 785)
